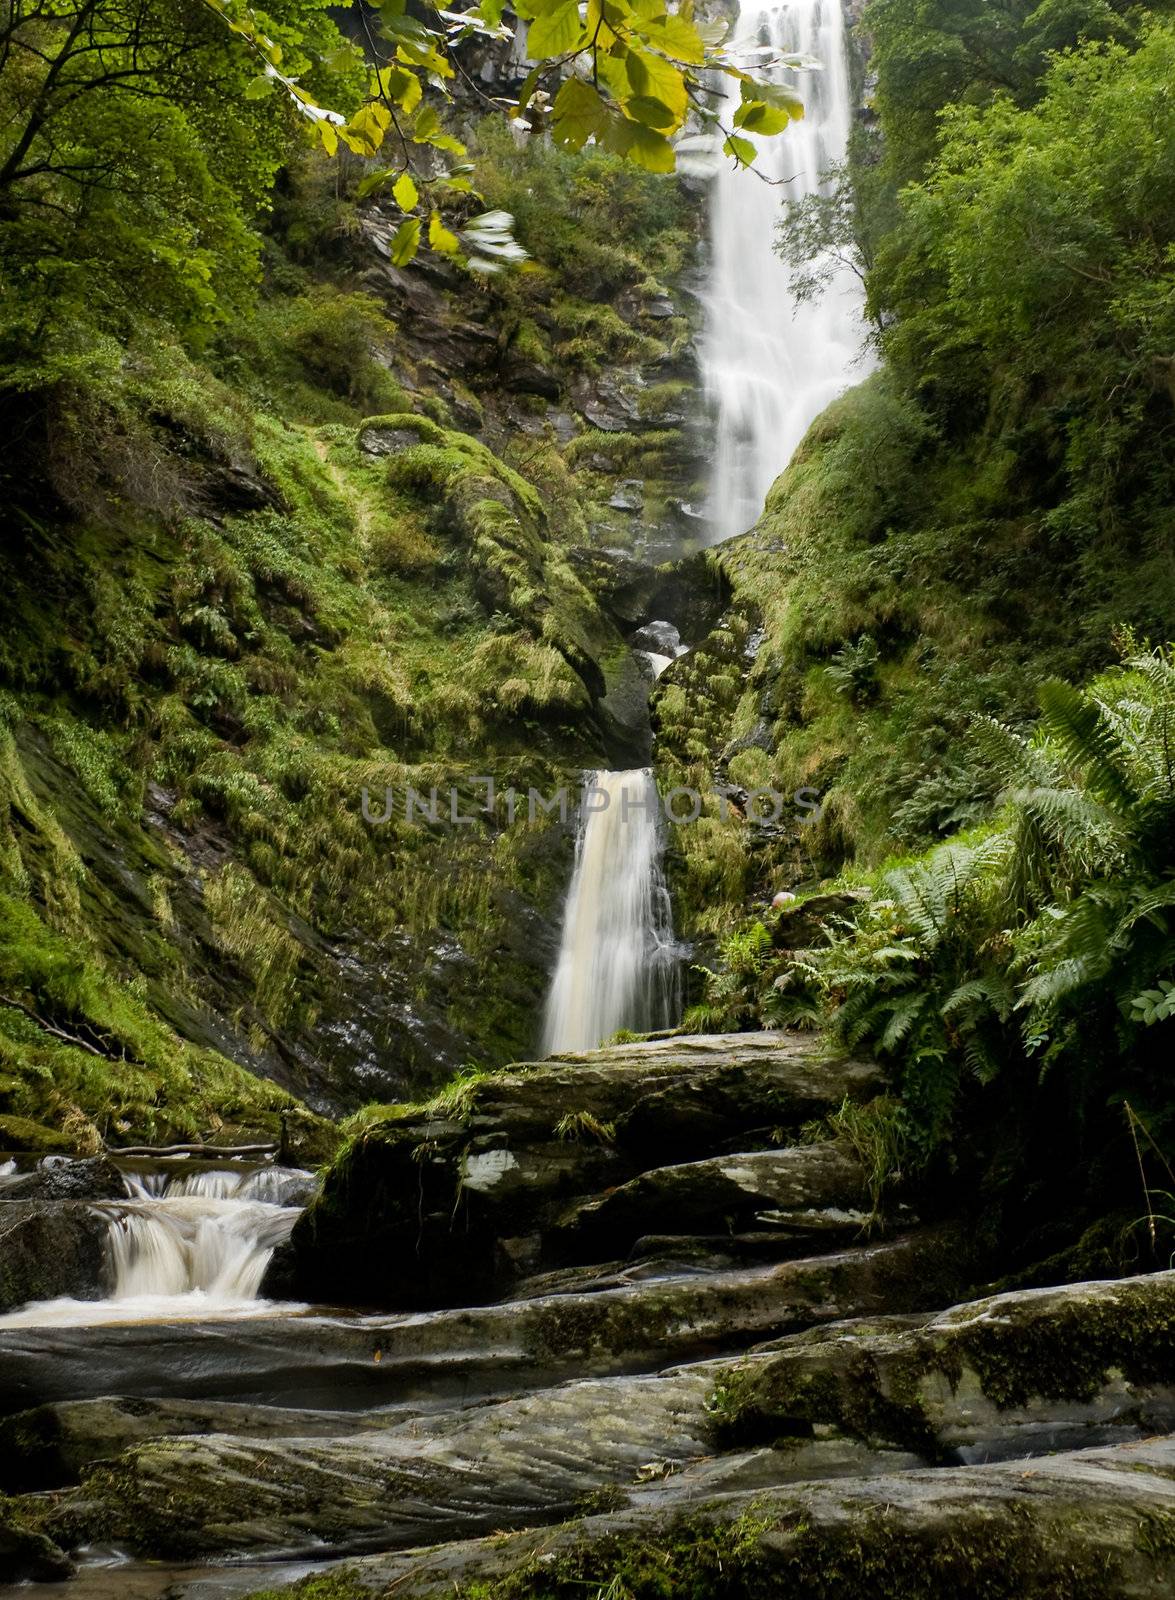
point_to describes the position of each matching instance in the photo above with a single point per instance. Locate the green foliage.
(87, 1055)
(1038, 940)
(731, 991)
(594, 219)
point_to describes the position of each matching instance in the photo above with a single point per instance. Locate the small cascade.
(618, 964)
(195, 1245)
(771, 364)
(185, 1243)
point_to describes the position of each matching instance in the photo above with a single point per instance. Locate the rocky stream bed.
(615, 1326)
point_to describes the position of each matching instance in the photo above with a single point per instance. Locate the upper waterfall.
(617, 964)
(771, 364)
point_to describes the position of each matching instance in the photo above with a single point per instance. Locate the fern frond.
(1076, 725)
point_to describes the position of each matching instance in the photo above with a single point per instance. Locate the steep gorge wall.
(391, 531)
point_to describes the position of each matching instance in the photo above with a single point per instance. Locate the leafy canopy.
(625, 74)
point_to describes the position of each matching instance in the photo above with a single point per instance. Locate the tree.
(625, 74)
(125, 189)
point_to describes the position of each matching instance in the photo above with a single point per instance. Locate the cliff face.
(392, 531)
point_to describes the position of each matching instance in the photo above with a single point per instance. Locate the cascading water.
(617, 964)
(771, 364)
(185, 1244)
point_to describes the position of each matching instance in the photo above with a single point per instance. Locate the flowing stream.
(771, 364)
(185, 1245)
(617, 965)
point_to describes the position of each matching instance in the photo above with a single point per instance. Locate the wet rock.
(628, 495)
(528, 377)
(1015, 1375)
(59, 1178)
(520, 1462)
(735, 1190)
(659, 637)
(610, 403)
(377, 441)
(27, 1556)
(801, 926)
(417, 1213)
(51, 1445)
(49, 1249)
(1087, 1525)
(466, 1354)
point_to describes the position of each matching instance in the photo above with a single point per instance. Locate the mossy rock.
(21, 1133)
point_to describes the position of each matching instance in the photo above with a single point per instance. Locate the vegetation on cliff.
(980, 529)
(282, 526)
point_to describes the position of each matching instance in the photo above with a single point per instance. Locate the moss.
(1060, 1350)
(754, 1406)
(19, 1133)
(768, 1550)
(342, 1585)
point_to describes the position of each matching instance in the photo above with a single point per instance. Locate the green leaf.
(556, 33)
(365, 132)
(652, 113)
(439, 237)
(257, 88)
(401, 86)
(677, 37)
(577, 115)
(405, 193)
(775, 94)
(742, 150)
(373, 181)
(405, 242)
(758, 118)
(644, 146)
(655, 78)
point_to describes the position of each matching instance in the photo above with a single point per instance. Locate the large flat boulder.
(452, 1203)
(1020, 1375)
(53, 1444)
(468, 1354)
(1013, 1375)
(1084, 1525)
(802, 1187)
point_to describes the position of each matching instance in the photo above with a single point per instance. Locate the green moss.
(19, 1133)
(769, 1550)
(343, 1585)
(1062, 1351)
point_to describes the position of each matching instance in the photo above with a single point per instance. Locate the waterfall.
(193, 1245)
(771, 364)
(617, 965)
(185, 1244)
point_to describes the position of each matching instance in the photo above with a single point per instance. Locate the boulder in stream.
(452, 1203)
(1084, 1525)
(50, 1249)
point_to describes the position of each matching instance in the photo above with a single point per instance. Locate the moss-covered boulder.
(23, 1134)
(450, 1203)
(1017, 1374)
(1087, 1525)
(26, 1554)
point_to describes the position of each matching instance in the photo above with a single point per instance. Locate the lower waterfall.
(618, 964)
(185, 1244)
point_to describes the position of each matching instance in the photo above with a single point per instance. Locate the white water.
(617, 964)
(188, 1245)
(771, 365)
